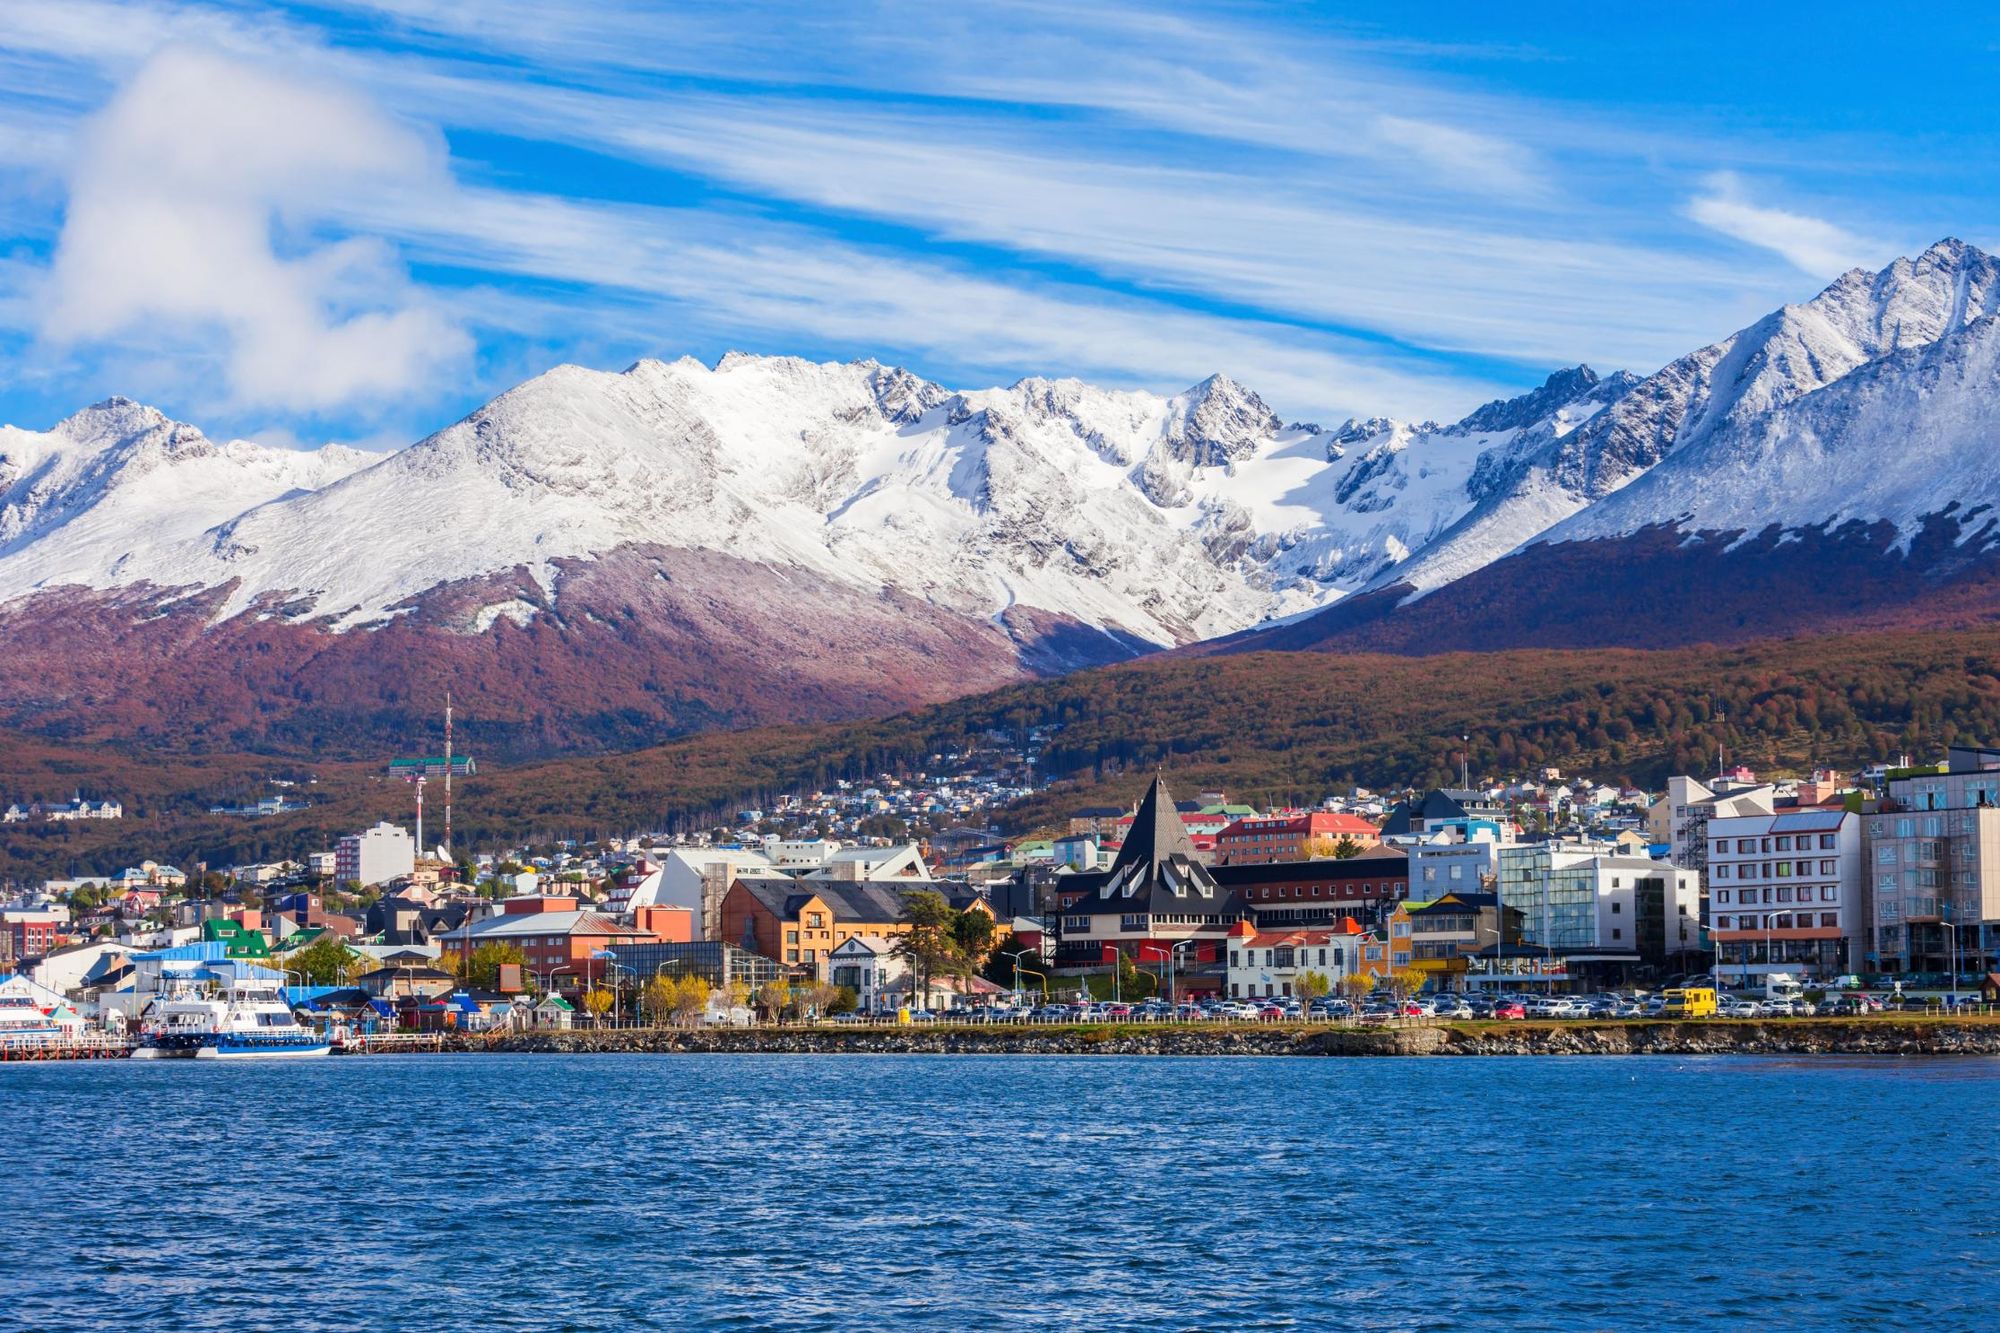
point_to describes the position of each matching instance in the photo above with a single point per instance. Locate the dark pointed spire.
(1157, 832)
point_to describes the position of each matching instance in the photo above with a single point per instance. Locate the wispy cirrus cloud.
(1114, 190)
(1810, 244)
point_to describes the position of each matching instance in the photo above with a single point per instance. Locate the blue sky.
(358, 221)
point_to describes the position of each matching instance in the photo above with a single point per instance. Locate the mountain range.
(597, 560)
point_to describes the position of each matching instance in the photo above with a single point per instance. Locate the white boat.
(257, 1024)
(184, 1018)
(22, 1023)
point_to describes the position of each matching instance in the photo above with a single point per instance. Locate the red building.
(1297, 835)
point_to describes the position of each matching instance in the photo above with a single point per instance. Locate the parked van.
(1689, 1002)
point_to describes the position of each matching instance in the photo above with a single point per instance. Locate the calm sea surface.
(850, 1192)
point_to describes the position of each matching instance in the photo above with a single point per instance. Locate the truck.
(1689, 1002)
(1783, 986)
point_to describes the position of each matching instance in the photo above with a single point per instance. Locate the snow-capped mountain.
(1154, 521)
(118, 480)
(1717, 392)
(607, 557)
(1832, 464)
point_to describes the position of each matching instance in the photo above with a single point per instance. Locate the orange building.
(800, 922)
(1300, 835)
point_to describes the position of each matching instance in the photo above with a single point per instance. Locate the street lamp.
(1016, 955)
(1174, 965)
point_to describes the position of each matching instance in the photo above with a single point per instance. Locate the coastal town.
(1536, 897)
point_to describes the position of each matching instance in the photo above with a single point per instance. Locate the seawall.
(1780, 1037)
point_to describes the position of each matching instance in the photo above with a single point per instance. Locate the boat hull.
(231, 1052)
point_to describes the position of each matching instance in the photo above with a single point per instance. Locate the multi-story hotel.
(1784, 893)
(1934, 866)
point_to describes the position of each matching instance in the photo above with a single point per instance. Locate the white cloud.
(195, 222)
(1812, 244)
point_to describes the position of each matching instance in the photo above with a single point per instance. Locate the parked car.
(1452, 1007)
(1510, 1009)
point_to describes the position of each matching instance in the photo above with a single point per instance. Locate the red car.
(1509, 1009)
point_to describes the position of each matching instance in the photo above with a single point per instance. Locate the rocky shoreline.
(1784, 1037)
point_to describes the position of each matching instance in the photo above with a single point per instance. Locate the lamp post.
(1174, 973)
(1016, 955)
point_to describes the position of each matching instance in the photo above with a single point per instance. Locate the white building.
(1589, 904)
(1268, 964)
(690, 877)
(869, 966)
(1447, 862)
(1784, 893)
(1680, 818)
(322, 863)
(375, 856)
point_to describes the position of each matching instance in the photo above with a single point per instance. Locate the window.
(1617, 908)
(1827, 842)
(1784, 895)
(1722, 872)
(791, 937)
(1235, 958)
(815, 920)
(1784, 844)
(1826, 893)
(1722, 896)
(1617, 933)
(1829, 918)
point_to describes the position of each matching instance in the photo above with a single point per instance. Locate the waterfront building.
(1285, 894)
(1445, 933)
(717, 963)
(1266, 964)
(1784, 893)
(801, 921)
(1157, 897)
(1933, 853)
(555, 937)
(1604, 914)
(1680, 817)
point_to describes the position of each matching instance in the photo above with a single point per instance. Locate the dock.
(80, 1046)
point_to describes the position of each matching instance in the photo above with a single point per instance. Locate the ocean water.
(778, 1192)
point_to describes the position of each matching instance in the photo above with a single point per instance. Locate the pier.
(80, 1046)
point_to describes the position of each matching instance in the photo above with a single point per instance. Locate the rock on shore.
(1808, 1037)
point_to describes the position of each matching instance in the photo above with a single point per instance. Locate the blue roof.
(201, 951)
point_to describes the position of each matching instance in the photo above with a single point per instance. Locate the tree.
(736, 994)
(929, 946)
(1406, 982)
(972, 934)
(597, 1002)
(845, 1000)
(815, 997)
(482, 970)
(772, 997)
(324, 962)
(690, 999)
(657, 998)
(1309, 986)
(1347, 847)
(1358, 985)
